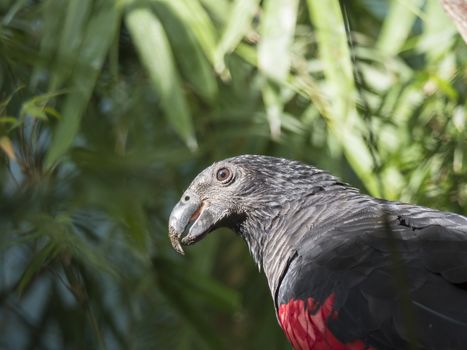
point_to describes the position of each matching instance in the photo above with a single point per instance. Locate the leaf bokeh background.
(109, 108)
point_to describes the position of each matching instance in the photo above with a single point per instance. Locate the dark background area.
(108, 109)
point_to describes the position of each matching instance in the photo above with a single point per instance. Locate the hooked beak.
(191, 219)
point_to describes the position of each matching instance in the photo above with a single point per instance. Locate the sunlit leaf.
(439, 32)
(274, 107)
(7, 147)
(397, 25)
(277, 30)
(219, 8)
(343, 119)
(37, 108)
(237, 25)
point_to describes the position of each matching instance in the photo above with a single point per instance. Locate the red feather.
(307, 331)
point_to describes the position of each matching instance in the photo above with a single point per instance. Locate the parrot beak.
(191, 219)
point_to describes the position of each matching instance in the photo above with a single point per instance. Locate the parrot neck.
(274, 230)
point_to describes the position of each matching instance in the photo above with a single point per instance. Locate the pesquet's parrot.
(345, 270)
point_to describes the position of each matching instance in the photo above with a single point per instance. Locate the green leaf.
(77, 13)
(17, 6)
(343, 120)
(135, 218)
(154, 50)
(195, 17)
(175, 280)
(91, 56)
(238, 23)
(274, 108)
(439, 34)
(197, 69)
(335, 56)
(218, 8)
(37, 263)
(397, 25)
(6, 101)
(61, 235)
(36, 107)
(306, 86)
(277, 31)
(8, 120)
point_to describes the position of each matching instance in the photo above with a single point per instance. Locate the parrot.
(345, 270)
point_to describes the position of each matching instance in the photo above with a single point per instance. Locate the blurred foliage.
(109, 108)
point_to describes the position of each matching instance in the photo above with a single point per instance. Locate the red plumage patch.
(309, 332)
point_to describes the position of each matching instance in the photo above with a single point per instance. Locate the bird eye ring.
(223, 175)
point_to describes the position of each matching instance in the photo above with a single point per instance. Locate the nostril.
(187, 198)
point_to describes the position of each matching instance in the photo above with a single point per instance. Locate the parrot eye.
(223, 175)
